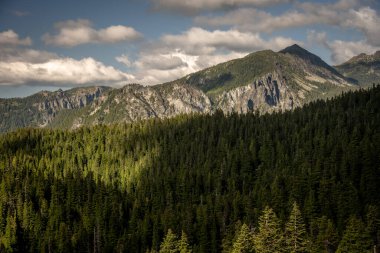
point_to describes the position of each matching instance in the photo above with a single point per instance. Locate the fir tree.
(268, 238)
(183, 244)
(244, 241)
(295, 232)
(355, 238)
(170, 243)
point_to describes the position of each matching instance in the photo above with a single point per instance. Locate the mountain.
(267, 81)
(263, 82)
(363, 68)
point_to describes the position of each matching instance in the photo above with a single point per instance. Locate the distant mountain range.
(365, 69)
(262, 82)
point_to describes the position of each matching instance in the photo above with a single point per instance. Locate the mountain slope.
(363, 68)
(268, 81)
(40, 109)
(263, 82)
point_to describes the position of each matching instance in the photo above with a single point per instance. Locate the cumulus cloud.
(160, 62)
(29, 66)
(62, 71)
(76, 32)
(176, 55)
(366, 20)
(12, 54)
(10, 38)
(196, 6)
(341, 51)
(199, 41)
(345, 50)
(250, 19)
(343, 13)
(124, 59)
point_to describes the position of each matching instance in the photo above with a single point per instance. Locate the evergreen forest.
(305, 180)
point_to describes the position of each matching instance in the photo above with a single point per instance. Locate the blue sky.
(46, 45)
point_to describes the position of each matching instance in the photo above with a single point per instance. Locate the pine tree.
(325, 236)
(244, 241)
(295, 232)
(268, 238)
(355, 239)
(183, 244)
(170, 243)
(373, 224)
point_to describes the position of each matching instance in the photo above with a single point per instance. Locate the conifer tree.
(183, 244)
(355, 239)
(170, 243)
(244, 241)
(295, 232)
(269, 238)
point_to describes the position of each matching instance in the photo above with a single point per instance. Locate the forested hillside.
(220, 183)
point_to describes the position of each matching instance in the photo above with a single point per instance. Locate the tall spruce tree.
(170, 243)
(295, 232)
(183, 244)
(244, 241)
(268, 238)
(355, 238)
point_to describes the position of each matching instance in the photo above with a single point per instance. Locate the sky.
(51, 44)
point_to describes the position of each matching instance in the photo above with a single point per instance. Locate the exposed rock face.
(53, 102)
(266, 94)
(134, 102)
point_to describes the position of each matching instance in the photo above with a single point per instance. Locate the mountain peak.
(292, 48)
(363, 58)
(298, 51)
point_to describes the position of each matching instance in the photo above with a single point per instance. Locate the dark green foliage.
(170, 243)
(269, 236)
(355, 239)
(295, 232)
(244, 241)
(120, 188)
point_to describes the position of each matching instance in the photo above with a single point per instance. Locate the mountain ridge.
(363, 68)
(263, 82)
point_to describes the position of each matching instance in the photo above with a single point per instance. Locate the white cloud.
(124, 59)
(250, 19)
(198, 41)
(76, 32)
(13, 54)
(195, 6)
(153, 68)
(366, 20)
(44, 68)
(343, 13)
(10, 38)
(159, 62)
(341, 51)
(176, 55)
(345, 50)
